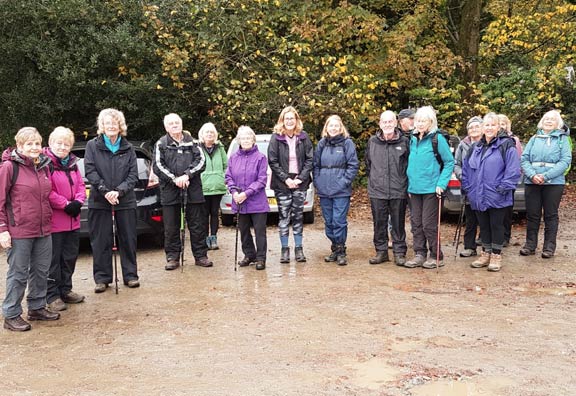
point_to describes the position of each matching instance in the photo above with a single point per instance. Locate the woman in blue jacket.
(545, 159)
(335, 167)
(490, 173)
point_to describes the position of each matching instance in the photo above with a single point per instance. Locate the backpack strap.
(15, 171)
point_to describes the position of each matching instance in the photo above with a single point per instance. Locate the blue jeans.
(28, 263)
(335, 213)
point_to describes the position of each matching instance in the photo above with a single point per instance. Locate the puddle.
(474, 387)
(373, 373)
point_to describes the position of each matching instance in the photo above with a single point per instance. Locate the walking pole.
(114, 248)
(438, 234)
(184, 197)
(236, 244)
(459, 230)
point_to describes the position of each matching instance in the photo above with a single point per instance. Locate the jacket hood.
(335, 140)
(555, 132)
(249, 151)
(56, 161)
(301, 136)
(11, 154)
(396, 136)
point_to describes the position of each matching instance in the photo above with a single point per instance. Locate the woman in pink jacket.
(67, 196)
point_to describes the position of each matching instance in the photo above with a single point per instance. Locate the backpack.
(452, 141)
(570, 144)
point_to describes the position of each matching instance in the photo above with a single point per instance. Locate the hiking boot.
(16, 324)
(431, 264)
(245, 262)
(417, 261)
(285, 255)
(495, 262)
(214, 242)
(399, 260)
(132, 283)
(73, 298)
(546, 254)
(42, 314)
(332, 256)
(481, 261)
(209, 242)
(299, 254)
(172, 265)
(100, 287)
(468, 253)
(260, 265)
(526, 252)
(342, 259)
(57, 305)
(379, 258)
(203, 262)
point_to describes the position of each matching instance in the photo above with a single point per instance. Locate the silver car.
(262, 142)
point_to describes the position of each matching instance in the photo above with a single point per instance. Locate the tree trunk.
(469, 38)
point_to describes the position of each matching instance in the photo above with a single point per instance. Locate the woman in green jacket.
(213, 185)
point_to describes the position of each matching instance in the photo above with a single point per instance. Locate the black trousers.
(65, 247)
(396, 209)
(197, 222)
(258, 222)
(212, 211)
(491, 223)
(542, 199)
(101, 237)
(424, 220)
(471, 227)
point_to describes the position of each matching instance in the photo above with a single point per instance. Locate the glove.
(73, 208)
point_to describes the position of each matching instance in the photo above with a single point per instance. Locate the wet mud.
(310, 328)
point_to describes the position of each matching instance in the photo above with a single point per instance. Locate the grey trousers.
(28, 264)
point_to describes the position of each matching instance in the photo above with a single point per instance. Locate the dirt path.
(311, 329)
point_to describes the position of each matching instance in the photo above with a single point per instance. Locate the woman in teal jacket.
(427, 180)
(544, 161)
(213, 185)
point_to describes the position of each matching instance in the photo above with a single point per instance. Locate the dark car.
(148, 209)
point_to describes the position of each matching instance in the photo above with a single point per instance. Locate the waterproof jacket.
(386, 166)
(489, 179)
(25, 210)
(335, 167)
(424, 173)
(461, 152)
(107, 171)
(278, 152)
(213, 175)
(548, 155)
(173, 159)
(67, 186)
(247, 173)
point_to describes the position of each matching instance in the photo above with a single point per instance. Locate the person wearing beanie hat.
(406, 122)
(474, 128)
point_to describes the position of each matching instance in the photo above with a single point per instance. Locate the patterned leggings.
(290, 210)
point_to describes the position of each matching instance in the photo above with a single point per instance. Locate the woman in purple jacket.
(246, 181)
(67, 196)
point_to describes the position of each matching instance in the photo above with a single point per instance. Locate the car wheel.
(227, 220)
(309, 217)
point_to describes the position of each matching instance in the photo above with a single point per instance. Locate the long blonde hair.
(343, 130)
(279, 127)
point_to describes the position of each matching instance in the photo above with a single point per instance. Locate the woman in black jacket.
(290, 156)
(111, 169)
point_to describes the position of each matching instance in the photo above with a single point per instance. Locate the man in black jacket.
(178, 163)
(386, 163)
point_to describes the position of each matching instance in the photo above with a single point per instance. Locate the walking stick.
(458, 230)
(183, 225)
(114, 248)
(236, 244)
(438, 234)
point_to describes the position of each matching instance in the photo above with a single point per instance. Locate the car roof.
(139, 145)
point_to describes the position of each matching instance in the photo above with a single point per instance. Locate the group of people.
(409, 163)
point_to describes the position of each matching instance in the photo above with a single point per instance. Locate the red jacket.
(67, 186)
(31, 214)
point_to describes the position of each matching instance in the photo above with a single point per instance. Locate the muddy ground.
(311, 329)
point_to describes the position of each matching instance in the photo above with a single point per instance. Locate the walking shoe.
(379, 258)
(132, 283)
(42, 314)
(526, 252)
(16, 324)
(481, 261)
(285, 255)
(245, 262)
(203, 262)
(546, 254)
(260, 265)
(417, 261)
(468, 253)
(100, 287)
(342, 259)
(57, 305)
(172, 265)
(332, 256)
(400, 260)
(431, 263)
(73, 298)
(209, 242)
(495, 262)
(299, 254)
(214, 242)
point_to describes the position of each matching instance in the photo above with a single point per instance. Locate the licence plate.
(271, 201)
